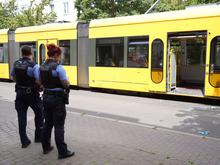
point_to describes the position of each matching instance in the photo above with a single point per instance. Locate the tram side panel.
(4, 66)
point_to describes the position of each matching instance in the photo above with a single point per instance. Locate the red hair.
(52, 50)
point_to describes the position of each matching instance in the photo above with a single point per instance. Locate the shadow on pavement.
(204, 122)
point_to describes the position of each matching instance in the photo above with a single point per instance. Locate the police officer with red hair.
(55, 82)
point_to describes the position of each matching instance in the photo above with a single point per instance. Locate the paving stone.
(102, 142)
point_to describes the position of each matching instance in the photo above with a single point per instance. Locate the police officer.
(26, 75)
(54, 80)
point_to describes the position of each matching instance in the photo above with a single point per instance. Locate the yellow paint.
(39, 43)
(4, 36)
(4, 71)
(45, 43)
(209, 89)
(158, 25)
(62, 31)
(154, 17)
(71, 74)
(157, 76)
(133, 79)
(215, 80)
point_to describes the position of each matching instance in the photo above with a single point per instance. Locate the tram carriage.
(37, 37)
(4, 66)
(174, 52)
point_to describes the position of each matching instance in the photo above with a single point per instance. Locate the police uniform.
(52, 74)
(26, 72)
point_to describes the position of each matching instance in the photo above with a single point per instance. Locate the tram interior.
(187, 63)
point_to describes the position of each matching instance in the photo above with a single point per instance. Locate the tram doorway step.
(188, 91)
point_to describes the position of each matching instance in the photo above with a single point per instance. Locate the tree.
(34, 14)
(8, 14)
(93, 9)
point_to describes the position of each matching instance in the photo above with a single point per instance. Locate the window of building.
(138, 52)
(3, 53)
(110, 52)
(215, 54)
(65, 46)
(66, 7)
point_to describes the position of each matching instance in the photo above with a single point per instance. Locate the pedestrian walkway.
(98, 141)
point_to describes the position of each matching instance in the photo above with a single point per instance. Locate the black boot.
(26, 144)
(49, 149)
(66, 155)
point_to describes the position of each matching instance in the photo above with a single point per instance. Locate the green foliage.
(33, 15)
(93, 9)
(8, 14)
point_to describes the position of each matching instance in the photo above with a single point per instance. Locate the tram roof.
(155, 17)
(4, 31)
(47, 27)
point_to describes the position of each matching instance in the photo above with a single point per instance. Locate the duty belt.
(28, 90)
(57, 93)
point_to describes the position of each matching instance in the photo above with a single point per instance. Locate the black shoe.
(37, 140)
(26, 144)
(48, 150)
(68, 154)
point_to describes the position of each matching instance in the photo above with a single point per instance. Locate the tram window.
(157, 54)
(42, 53)
(3, 53)
(65, 46)
(215, 54)
(196, 51)
(110, 52)
(33, 49)
(138, 51)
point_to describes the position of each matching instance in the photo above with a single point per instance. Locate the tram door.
(212, 86)
(42, 49)
(173, 70)
(158, 64)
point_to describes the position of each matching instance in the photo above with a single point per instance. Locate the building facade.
(64, 9)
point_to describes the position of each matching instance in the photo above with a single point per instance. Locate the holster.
(66, 96)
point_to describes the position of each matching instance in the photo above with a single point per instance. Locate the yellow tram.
(175, 52)
(4, 66)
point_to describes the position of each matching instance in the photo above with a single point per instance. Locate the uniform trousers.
(22, 102)
(55, 114)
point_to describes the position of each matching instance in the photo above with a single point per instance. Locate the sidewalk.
(99, 141)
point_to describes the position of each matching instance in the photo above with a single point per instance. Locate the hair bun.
(53, 49)
(51, 46)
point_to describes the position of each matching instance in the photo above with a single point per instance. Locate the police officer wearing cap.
(26, 75)
(55, 82)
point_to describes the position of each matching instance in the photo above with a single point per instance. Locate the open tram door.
(42, 49)
(212, 85)
(186, 63)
